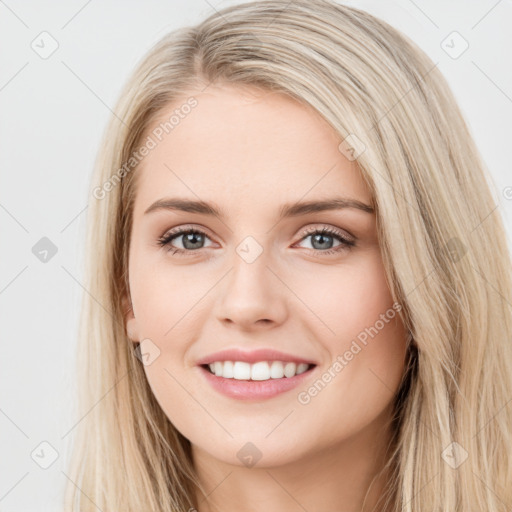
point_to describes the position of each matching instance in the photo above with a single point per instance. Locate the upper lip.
(253, 356)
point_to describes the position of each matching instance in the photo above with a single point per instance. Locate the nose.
(252, 296)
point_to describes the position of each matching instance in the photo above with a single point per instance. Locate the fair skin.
(249, 152)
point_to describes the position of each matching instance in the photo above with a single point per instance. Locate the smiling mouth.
(260, 371)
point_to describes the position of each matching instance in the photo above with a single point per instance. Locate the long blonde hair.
(442, 240)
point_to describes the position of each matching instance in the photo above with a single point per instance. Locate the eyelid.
(331, 230)
(181, 228)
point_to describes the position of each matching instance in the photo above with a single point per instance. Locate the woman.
(299, 285)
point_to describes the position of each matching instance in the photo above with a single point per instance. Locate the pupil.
(321, 237)
(193, 238)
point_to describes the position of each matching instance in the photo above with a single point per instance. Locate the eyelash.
(345, 242)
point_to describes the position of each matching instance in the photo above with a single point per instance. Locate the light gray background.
(54, 112)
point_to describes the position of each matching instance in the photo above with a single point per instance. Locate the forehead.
(245, 144)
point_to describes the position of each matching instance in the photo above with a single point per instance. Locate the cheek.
(164, 297)
(365, 336)
(361, 381)
(346, 299)
(167, 305)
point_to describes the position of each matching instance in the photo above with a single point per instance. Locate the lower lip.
(254, 389)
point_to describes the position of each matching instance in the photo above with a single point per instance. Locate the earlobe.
(131, 329)
(130, 321)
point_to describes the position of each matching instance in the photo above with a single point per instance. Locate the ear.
(129, 320)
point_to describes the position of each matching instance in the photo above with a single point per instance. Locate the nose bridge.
(251, 291)
(250, 250)
(250, 273)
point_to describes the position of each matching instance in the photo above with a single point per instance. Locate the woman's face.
(252, 279)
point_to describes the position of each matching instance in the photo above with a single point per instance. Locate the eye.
(321, 239)
(192, 240)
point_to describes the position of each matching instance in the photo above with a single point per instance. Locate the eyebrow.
(287, 210)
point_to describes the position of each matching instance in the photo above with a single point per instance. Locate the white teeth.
(301, 368)
(241, 370)
(289, 369)
(277, 370)
(227, 371)
(262, 370)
